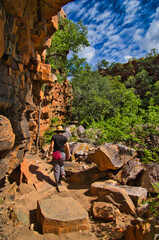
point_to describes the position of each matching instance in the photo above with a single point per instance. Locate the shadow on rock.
(40, 176)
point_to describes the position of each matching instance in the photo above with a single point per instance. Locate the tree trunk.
(38, 130)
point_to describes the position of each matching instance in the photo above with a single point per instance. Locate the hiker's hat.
(59, 129)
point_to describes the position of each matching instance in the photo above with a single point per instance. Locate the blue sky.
(117, 29)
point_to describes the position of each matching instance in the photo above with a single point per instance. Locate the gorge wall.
(26, 28)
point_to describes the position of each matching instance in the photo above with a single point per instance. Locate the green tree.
(96, 96)
(69, 37)
(77, 66)
(103, 64)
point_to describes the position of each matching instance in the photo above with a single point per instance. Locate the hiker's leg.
(62, 160)
(57, 172)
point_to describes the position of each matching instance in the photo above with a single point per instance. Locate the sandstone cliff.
(26, 27)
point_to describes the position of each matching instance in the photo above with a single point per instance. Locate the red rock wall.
(132, 68)
(26, 27)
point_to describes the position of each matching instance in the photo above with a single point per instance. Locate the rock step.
(33, 172)
(61, 215)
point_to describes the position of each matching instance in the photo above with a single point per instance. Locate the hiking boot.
(63, 177)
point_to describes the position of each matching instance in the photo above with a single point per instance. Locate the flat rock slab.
(61, 215)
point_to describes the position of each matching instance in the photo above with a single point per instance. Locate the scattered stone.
(150, 177)
(11, 192)
(143, 230)
(67, 134)
(4, 167)
(71, 131)
(109, 156)
(129, 172)
(80, 149)
(18, 216)
(80, 130)
(45, 150)
(61, 215)
(24, 188)
(142, 210)
(105, 211)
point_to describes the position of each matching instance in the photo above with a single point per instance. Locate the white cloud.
(151, 38)
(138, 35)
(131, 8)
(103, 16)
(109, 35)
(91, 12)
(88, 53)
(128, 57)
(73, 7)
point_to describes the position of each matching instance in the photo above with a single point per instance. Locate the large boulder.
(129, 172)
(61, 215)
(7, 136)
(150, 177)
(115, 195)
(109, 156)
(137, 194)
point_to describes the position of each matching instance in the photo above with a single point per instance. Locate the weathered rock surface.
(80, 149)
(115, 195)
(18, 215)
(61, 215)
(21, 204)
(137, 194)
(85, 176)
(143, 230)
(80, 130)
(109, 156)
(105, 211)
(7, 137)
(150, 177)
(26, 28)
(129, 172)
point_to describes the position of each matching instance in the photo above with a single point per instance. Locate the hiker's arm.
(67, 151)
(51, 147)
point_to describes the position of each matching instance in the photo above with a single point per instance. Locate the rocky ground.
(18, 203)
(25, 197)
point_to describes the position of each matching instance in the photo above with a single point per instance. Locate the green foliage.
(48, 134)
(113, 113)
(102, 65)
(69, 37)
(96, 96)
(154, 202)
(77, 66)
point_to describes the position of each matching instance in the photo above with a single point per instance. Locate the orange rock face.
(28, 30)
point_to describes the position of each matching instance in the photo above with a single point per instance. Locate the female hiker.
(58, 142)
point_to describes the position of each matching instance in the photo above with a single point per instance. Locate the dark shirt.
(59, 142)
